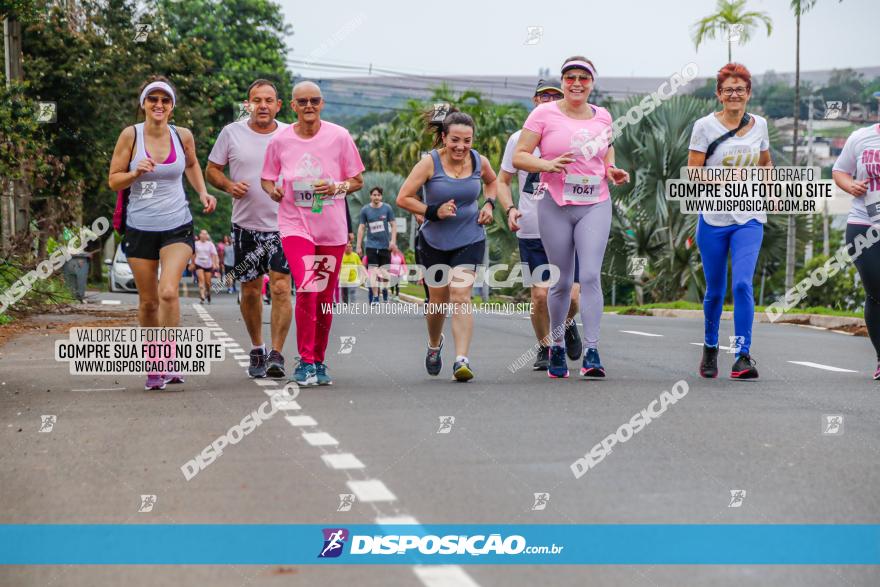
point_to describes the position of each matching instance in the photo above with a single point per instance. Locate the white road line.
(820, 366)
(217, 330)
(370, 490)
(242, 358)
(844, 332)
(640, 333)
(266, 382)
(244, 363)
(444, 576)
(342, 461)
(301, 420)
(286, 404)
(720, 346)
(319, 439)
(111, 302)
(102, 389)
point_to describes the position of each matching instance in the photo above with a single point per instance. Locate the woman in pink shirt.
(576, 162)
(320, 164)
(205, 262)
(396, 268)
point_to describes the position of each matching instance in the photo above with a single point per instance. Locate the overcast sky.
(622, 37)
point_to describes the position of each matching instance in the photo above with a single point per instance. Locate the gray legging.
(564, 229)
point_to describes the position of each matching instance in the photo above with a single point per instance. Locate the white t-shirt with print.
(528, 222)
(860, 158)
(736, 151)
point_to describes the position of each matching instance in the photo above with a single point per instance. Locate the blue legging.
(743, 242)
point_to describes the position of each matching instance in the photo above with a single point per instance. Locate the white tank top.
(158, 201)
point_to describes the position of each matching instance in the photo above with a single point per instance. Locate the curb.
(845, 324)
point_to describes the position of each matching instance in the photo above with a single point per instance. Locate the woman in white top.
(150, 160)
(857, 172)
(738, 235)
(205, 262)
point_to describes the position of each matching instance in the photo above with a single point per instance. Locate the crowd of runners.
(289, 185)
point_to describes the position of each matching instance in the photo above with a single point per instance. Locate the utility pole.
(808, 246)
(791, 227)
(13, 218)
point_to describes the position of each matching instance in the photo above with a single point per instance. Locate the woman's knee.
(149, 306)
(168, 294)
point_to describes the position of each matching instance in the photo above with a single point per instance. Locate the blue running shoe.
(321, 374)
(592, 366)
(558, 367)
(305, 374)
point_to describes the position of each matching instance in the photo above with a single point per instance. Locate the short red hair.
(734, 70)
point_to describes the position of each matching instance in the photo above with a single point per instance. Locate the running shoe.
(275, 364)
(462, 371)
(321, 374)
(744, 367)
(155, 382)
(709, 363)
(877, 372)
(558, 368)
(542, 362)
(433, 362)
(257, 368)
(174, 378)
(592, 366)
(305, 374)
(573, 345)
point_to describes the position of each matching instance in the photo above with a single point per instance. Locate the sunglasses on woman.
(165, 100)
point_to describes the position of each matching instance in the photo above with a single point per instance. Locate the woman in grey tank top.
(452, 240)
(150, 160)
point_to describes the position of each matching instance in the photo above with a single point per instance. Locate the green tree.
(728, 14)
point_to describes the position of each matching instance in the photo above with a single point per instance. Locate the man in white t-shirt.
(242, 146)
(524, 222)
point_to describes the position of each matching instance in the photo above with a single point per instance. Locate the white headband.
(579, 65)
(158, 86)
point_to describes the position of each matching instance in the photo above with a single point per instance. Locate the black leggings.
(868, 264)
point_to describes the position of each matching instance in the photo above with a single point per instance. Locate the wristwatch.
(490, 201)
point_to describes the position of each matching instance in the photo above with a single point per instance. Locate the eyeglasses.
(303, 102)
(740, 91)
(570, 79)
(165, 100)
(549, 97)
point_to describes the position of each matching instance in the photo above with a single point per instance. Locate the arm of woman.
(525, 160)
(846, 182)
(490, 191)
(618, 176)
(408, 198)
(194, 172)
(120, 177)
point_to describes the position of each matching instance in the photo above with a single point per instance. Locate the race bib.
(304, 194)
(377, 226)
(872, 204)
(581, 188)
(148, 188)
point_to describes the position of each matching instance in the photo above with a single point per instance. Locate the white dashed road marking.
(824, 367)
(371, 490)
(640, 333)
(342, 461)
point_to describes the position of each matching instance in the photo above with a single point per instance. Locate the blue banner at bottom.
(299, 544)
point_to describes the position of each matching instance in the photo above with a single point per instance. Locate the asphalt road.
(514, 434)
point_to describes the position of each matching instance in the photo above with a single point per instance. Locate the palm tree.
(730, 13)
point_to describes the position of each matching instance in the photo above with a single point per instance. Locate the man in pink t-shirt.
(320, 165)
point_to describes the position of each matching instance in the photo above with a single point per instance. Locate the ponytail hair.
(440, 127)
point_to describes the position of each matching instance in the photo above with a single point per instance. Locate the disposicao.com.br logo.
(450, 544)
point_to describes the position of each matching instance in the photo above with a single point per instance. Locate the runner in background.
(320, 164)
(150, 159)
(452, 239)
(205, 261)
(396, 269)
(857, 172)
(736, 236)
(349, 279)
(221, 249)
(377, 221)
(576, 217)
(229, 264)
(523, 220)
(256, 242)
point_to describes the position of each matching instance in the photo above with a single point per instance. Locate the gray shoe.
(257, 368)
(433, 361)
(275, 364)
